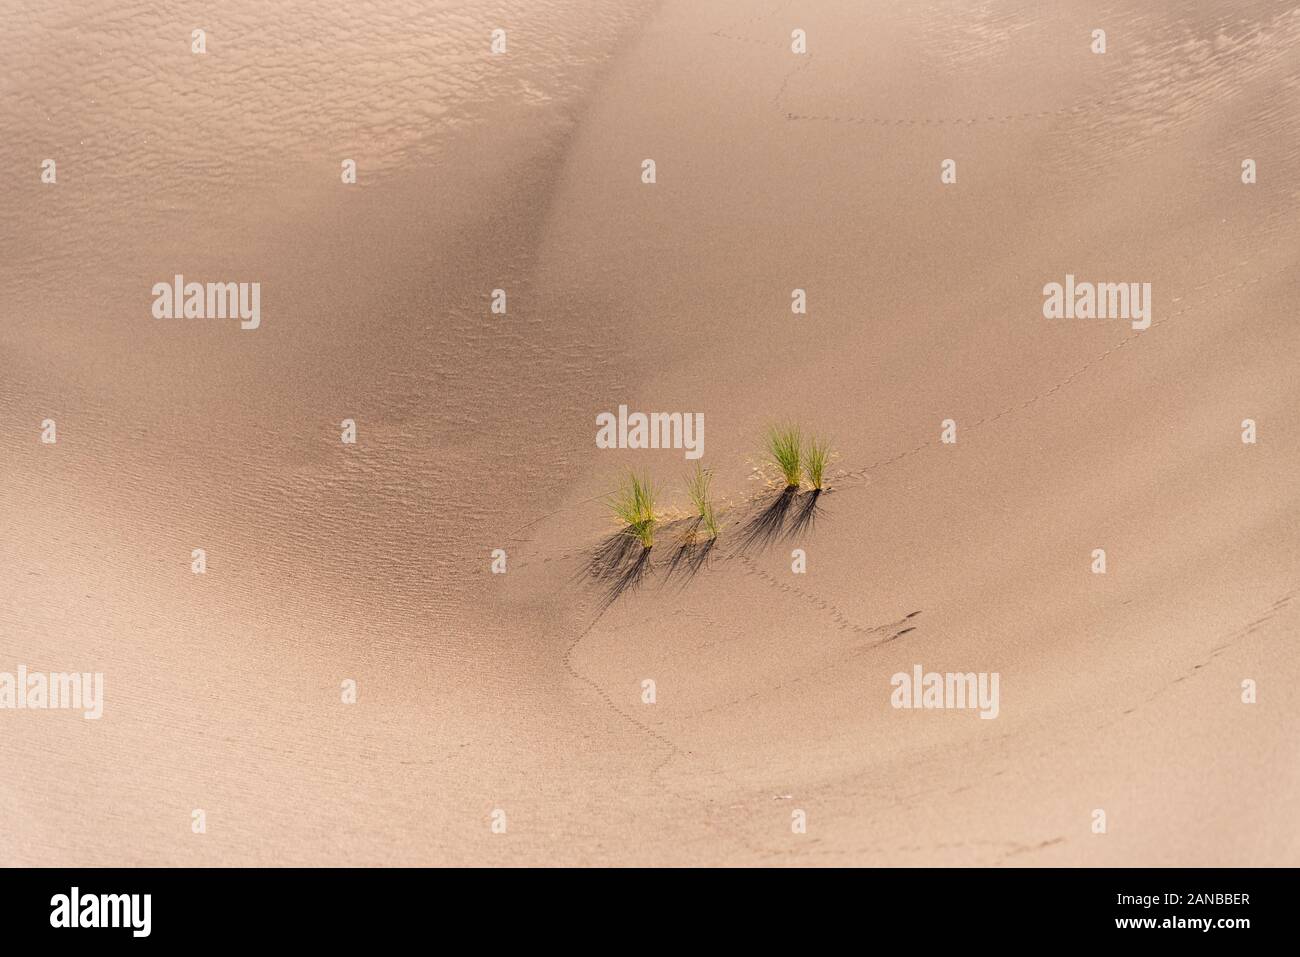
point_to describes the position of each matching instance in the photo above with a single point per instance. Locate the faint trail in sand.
(842, 621)
(672, 749)
(1228, 642)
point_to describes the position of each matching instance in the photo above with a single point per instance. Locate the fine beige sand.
(522, 693)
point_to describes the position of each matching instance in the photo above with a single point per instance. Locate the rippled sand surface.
(522, 692)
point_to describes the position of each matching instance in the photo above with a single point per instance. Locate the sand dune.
(523, 692)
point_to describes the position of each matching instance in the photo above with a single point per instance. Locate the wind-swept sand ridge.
(523, 692)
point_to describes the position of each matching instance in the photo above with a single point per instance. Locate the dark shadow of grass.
(610, 558)
(628, 578)
(619, 563)
(805, 513)
(699, 557)
(766, 527)
(682, 552)
(690, 556)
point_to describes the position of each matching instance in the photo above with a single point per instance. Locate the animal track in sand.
(842, 621)
(673, 750)
(567, 660)
(1231, 640)
(836, 663)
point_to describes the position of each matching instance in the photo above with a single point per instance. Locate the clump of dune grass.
(815, 457)
(634, 504)
(785, 446)
(697, 487)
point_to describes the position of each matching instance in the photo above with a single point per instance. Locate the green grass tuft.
(785, 445)
(815, 457)
(634, 504)
(697, 487)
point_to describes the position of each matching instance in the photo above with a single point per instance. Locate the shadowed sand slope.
(526, 692)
